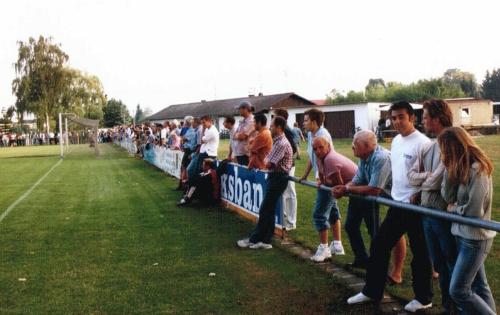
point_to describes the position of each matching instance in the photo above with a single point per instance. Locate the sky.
(159, 53)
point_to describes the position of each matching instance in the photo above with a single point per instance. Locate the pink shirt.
(334, 163)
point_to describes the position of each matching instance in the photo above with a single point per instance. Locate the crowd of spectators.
(33, 138)
(417, 170)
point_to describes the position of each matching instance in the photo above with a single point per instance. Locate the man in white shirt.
(209, 140)
(404, 151)
(164, 133)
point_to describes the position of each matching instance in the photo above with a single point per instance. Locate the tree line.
(454, 83)
(46, 85)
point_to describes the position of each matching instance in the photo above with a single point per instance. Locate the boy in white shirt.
(404, 151)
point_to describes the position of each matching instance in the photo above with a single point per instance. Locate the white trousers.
(289, 201)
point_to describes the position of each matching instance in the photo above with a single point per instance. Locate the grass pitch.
(103, 236)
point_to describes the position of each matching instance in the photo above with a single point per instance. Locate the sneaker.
(337, 249)
(183, 202)
(261, 245)
(321, 254)
(415, 305)
(244, 243)
(359, 299)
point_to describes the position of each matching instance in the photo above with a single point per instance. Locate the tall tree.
(40, 77)
(422, 90)
(491, 85)
(84, 94)
(375, 90)
(115, 113)
(465, 80)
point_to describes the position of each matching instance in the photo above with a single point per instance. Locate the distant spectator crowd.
(15, 139)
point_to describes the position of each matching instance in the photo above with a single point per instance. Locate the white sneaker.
(415, 305)
(337, 249)
(244, 243)
(359, 299)
(321, 254)
(261, 245)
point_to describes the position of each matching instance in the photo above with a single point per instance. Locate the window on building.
(465, 113)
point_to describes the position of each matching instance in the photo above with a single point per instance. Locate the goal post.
(91, 126)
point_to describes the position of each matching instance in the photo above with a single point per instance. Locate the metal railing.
(439, 214)
(435, 213)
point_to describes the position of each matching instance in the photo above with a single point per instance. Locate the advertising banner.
(165, 159)
(244, 189)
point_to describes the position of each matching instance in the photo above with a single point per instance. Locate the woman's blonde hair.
(458, 152)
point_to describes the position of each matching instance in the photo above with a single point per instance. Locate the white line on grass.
(12, 206)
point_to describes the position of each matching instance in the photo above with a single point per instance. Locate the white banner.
(165, 159)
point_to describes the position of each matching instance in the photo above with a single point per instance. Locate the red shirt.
(260, 146)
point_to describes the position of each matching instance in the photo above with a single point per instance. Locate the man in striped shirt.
(279, 163)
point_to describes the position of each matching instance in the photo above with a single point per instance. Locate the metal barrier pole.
(439, 214)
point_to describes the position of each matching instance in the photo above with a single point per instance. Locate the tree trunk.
(48, 122)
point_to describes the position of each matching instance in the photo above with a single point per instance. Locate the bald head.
(364, 143)
(366, 137)
(321, 147)
(321, 140)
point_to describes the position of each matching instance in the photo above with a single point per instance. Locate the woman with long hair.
(467, 188)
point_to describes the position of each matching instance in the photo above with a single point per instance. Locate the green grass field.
(103, 236)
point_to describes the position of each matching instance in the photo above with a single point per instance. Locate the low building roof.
(226, 106)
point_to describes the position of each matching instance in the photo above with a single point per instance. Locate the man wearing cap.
(243, 131)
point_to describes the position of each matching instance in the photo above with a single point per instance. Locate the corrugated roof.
(223, 107)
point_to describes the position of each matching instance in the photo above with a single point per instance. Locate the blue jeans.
(443, 251)
(325, 210)
(357, 211)
(469, 287)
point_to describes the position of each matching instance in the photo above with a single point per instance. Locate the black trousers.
(396, 224)
(186, 158)
(243, 160)
(276, 185)
(204, 190)
(357, 211)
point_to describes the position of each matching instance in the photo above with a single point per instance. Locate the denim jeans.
(469, 287)
(397, 222)
(276, 185)
(443, 251)
(357, 211)
(325, 210)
